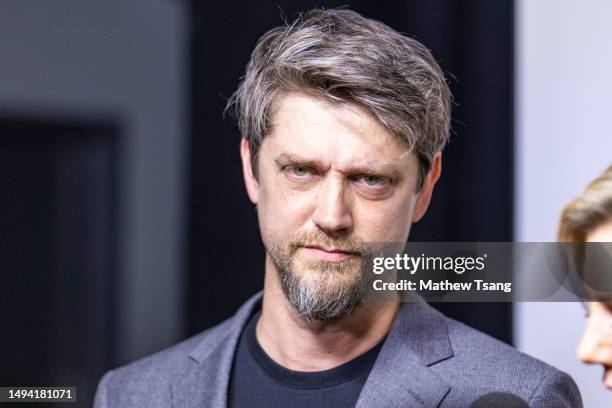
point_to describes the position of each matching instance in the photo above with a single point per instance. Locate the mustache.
(323, 240)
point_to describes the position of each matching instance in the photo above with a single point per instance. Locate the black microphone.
(499, 400)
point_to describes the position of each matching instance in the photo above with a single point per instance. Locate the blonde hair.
(587, 211)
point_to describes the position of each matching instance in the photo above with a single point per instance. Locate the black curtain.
(473, 41)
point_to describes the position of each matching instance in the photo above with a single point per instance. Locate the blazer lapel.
(401, 376)
(206, 381)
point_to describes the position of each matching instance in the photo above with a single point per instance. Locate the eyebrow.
(286, 158)
(289, 158)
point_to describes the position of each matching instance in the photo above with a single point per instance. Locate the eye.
(373, 181)
(299, 171)
(373, 186)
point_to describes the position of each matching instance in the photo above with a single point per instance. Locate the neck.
(306, 345)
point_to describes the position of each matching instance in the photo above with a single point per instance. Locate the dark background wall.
(473, 41)
(57, 250)
(92, 163)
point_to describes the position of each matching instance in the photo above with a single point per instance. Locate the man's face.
(330, 178)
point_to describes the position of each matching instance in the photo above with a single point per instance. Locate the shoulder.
(169, 362)
(485, 364)
(149, 378)
(470, 344)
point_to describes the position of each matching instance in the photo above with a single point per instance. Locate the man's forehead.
(313, 127)
(291, 108)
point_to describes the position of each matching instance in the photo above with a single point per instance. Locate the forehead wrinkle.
(348, 115)
(297, 115)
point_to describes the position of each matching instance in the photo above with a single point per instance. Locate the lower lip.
(328, 256)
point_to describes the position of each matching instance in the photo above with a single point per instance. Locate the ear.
(424, 196)
(252, 186)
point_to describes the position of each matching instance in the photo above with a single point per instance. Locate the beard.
(317, 289)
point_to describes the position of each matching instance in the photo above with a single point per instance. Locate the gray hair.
(340, 56)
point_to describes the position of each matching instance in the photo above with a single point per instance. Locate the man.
(343, 122)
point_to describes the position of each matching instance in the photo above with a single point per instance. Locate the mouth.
(328, 255)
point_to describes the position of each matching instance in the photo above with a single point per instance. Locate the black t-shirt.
(257, 381)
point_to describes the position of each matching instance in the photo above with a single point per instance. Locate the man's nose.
(332, 212)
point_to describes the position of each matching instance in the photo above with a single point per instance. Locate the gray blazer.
(428, 360)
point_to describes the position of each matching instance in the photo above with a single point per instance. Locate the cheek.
(384, 221)
(590, 336)
(283, 212)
